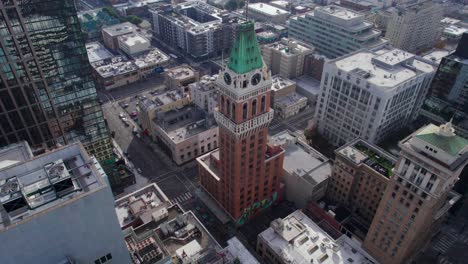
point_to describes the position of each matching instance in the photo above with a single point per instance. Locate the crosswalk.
(444, 243)
(182, 198)
(443, 260)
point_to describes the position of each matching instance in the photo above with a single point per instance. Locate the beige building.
(134, 43)
(415, 27)
(290, 105)
(164, 102)
(267, 13)
(180, 76)
(418, 195)
(298, 239)
(204, 93)
(115, 72)
(110, 35)
(148, 61)
(286, 57)
(361, 172)
(281, 87)
(185, 133)
(306, 172)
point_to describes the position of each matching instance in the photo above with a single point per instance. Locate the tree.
(134, 19)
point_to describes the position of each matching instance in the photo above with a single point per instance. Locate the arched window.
(254, 107)
(222, 103)
(233, 111)
(262, 104)
(228, 108)
(244, 111)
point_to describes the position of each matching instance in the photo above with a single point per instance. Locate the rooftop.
(361, 152)
(97, 52)
(444, 138)
(289, 47)
(267, 9)
(436, 55)
(114, 66)
(152, 57)
(384, 67)
(455, 30)
(245, 53)
(38, 184)
(15, 153)
(133, 39)
(289, 99)
(297, 239)
(184, 123)
(279, 83)
(235, 249)
(206, 83)
(120, 29)
(181, 72)
(308, 83)
(301, 159)
(338, 12)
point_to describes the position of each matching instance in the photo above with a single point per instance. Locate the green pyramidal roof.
(245, 53)
(452, 145)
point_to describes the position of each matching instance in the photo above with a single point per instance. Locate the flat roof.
(180, 72)
(289, 47)
(309, 84)
(152, 57)
(302, 160)
(339, 12)
(44, 182)
(120, 29)
(289, 99)
(267, 9)
(114, 66)
(133, 39)
(14, 153)
(296, 238)
(97, 52)
(384, 68)
(239, 251)
(279, 83)
(436, 55)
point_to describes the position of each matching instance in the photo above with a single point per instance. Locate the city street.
(295, 123)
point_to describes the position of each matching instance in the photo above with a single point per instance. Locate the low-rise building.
(97, 52)
(185, 133)
(115, 72)
(149, 61)
(290, 105)
(156, 231)
(281, 87)
(60, 205)
(174, 99)
(180, 76)
(361, 172)
(286, 57)
(204, 93)
(309, 87)
(298, 239)
(306, 172)
(267, 13)
(134, 43)
(111, 34)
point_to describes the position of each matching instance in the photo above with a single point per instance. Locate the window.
(244, 111)
(262, 105)
(254, 107)
(103, 259)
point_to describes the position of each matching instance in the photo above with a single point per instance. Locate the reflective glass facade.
(47, 94)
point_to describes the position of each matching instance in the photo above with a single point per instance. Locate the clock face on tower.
(256, 78)
(227, 78)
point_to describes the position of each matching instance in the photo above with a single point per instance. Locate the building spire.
(245, 53)
(447, 130)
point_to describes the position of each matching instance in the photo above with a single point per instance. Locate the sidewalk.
(213, 206)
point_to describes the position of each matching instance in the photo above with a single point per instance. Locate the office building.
(419, 194)
(281, 87)
(308, 87)
(111, 34)
(48, 97)
(204, 93)
(157, 231)
(415, 27)
(244, 174)
(267, 13)
(185, 133)
(114, 72)
(298, 239)
(58, 205)
(132, 44)
(448, 95)
(286, 57)
(370, 94)
(197, 29)
(290, 105)
(180, 76)
(361, 172)
(306, 171)
(148, 62)
(335, 31)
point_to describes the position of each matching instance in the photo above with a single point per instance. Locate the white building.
(57, 208)
(370, 94)
(204, 94)
(290, 104)
(149, 60)
(286, 57)
(281, 87)
(115, 72)
(416, 27)
(267, 13)
(97, 52)
(306, 172)
(297, 239)
(132, 44)
(335, 31)
(111, 34)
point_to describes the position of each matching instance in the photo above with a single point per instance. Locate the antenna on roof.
(246, 10)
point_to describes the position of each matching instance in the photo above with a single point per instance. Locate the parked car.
(134, 114)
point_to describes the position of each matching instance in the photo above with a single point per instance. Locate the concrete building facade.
(419, 194)
(134, 43)
(370, 94)
(110, 35)
(335, 31)
(204, 93)
(60, 206)
(286, 57)
(415, 27)
(244, 175)
(180, 76)
(290, 105)
(267, 13)
(281, 87)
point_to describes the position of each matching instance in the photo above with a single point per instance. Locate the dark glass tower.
(47, 94)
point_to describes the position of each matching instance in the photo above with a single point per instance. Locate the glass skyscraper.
(47, 94)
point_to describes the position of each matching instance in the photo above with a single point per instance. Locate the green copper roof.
(245, 53)
(452, 145)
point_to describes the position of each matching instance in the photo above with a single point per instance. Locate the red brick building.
(244, 174)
